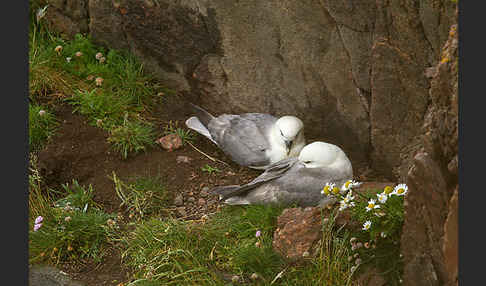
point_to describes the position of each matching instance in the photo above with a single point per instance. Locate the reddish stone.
(297, 232)
(170, 142)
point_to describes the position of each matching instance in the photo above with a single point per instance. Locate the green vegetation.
(42, 125)
(71, 228)
(383, 237)
(174, 252)
(142, 196)
(107, 86)
(40, 201)
(210, 169)
(377, 243)
(131, 137)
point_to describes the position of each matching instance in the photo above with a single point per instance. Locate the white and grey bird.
(255, 140)
(294, 180)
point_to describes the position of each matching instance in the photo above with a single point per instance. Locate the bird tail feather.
(225, 191)
(203, 116)
(196, 125)
(236, 201)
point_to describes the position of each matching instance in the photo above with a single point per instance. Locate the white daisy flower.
(68, 59)
(400, 190)
(342, 206)
(366, 225)
(327, 189)
(350, 196)
(382, 197)
(372, 205)
(349, 184)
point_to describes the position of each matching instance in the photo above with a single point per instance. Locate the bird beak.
(288, 144)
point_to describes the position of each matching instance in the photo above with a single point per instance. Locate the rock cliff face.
(352, 70)
(368, 75)
(430, 233)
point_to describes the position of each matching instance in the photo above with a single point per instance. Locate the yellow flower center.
(400, 191)
(388, 190)
(371, 205)
(335, 190)
(326, 190)
(347, 184)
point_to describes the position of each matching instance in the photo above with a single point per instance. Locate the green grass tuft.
(208, 169)
(142, 196)
(131, 137)
(174, 252)
(42, 125)
(83, 236)
(100, 105)
(185, 134)
(73, 228)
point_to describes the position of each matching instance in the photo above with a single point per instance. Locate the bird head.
(290, 130)
(320, 154)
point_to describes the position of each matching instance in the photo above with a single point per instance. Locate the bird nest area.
(78, 150)
(81, 151)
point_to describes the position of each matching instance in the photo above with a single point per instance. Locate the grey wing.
(243, 137)
(303, 185)
(276, 170)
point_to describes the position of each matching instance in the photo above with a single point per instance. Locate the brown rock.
(178, 200)
(352, 70)
(429, 239)
(105, 25)
(170, 142)
(297, 232)
(450, 244)
(68, 17)
(423, 227)
(204, 192)
(201, 202)
(182, 211)
(183, 159)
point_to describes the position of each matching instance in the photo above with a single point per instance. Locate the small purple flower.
(37, 226)
(258, 233)
(39, 219)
